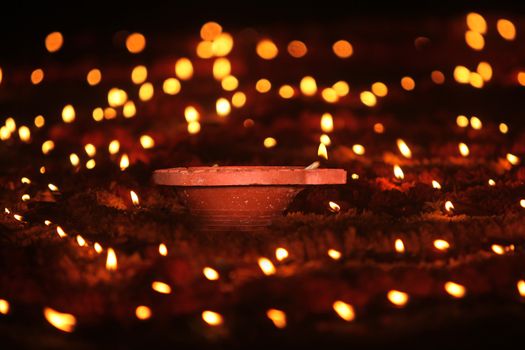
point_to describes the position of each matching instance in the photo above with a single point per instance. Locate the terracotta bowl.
(243, 198)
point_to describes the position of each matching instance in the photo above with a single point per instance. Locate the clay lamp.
(244, 198)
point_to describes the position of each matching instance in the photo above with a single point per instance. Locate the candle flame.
(4, 307)
(403, 148)
(210, 273)
(514, 160)
(161, 287)
(449, 206)
(398, 298)
(114, 147)
(436, 185)
(327, 123)
(463, 149)
(163, 250)
(454, 289)
(143, 312)
(18, 217)
(521, 287)
(212, 318)
(344, 310)
(492, 182)
(358, 149)
(501, 250)
(399, 245)
(266, 266)
(63, 321)
(334, 207)
(98, 247)
(522, 203)
(322, 151)
(334, 254)
(81, 241)
(52, 187)
(111, 260)
(398, 172)
(441, 244)
(61, 232)
(278, 317)
(124, 162)
(281, 254)
(134, 198)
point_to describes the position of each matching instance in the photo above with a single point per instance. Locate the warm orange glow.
(110, 113)
(308, 86)
(266, 49)
(397, 297)
(25, 197)
(399, 246)
(476, 80)
(503, 128)
(134, 197)
(52, 187)
(512, 159)
(143, 312)
(139, 74)
(210, 31)
(408, 83)
(475, 123)
(135, 42)
(146, 91)
(441, 244)
(117, 97)
(147, 142)
(223, 107)
(221, 68)
(403, 148)
(266, 266)
(329, 95)
(368, 98)
(90, 149)
(501, 250)
(398, 172)
(379, 89)
(286, 91)
(171, 86)
(436, 185)
(476, 22)
(212, 318)
(341, 88)
(24, 133)
(449, 206)
(10, 124)
(269, 142)
(506, 29)
(98, 247)
(344, 310)
(4, 307)
(238, 99)
(61, 232)
(68, 114)
(462, 74)
(462, 121)
(90, 164)
(25, 180)
(64, 322)
(54, 41)
(161, 287)
(521, 287)
(278, 317)
(191, 114)
(194, 127)
(222, 45)
(210, 273)
(334, 254)
(334, 207)
(522, 203)
(485, 70)
(163, 249)
(230, 83)
(342, 49)
(325, 139)
(327, 123)
(521, 78)
(474, 40)
(281, 253)
(39, 121)
(114, 147)
(463, 149)
(437, 77)
(183, 68)
(297, 49)
(491, 182)
(94, 77)
(322, 151)
(263, 85)
(81, 241)
(111, 260)
(456, 290)
(124, 162)
(379, 128)
(37, 76)
(18, 217)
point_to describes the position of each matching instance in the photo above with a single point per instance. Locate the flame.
(329, 95)
(476, 22)
(269, 142)
(322, 151)
(134, 198)
(74, 159)
(403, 148)
(163, 250)
(474, 40)
(454, 289)
(68, 114)
(368, 98)
(7, 211)
(161, 287)
(61, 232)
(46, 222)
(64, 322)
(52, 187)
(462, 76)
(266, 266)
(212, 318)
(81, 241)
(146, 91)
(358, 149)
(222, 45)
(475, 123)
(327, 123)
(355, 176)
(18, 217)
(334, 254)
(463, 149)
(210, 273)
(143, 312)
(449, 206)
(503, 128)
(90, 149)
(98, 114)
(98, 247)
(514, 160)
(4, 307)
(501, 250)
(325, 139)
(522, 203)
(521, 287)
(344, 310)
(194, 128)
(441, 244)
(114, 147)
(139, 74)
(24, 133)
(308, 86)
(436, 185)
(397, 297)
(111, 260)
(90, 164)
(398, 172)
(437, 77)
(183, 68)
(281, 253)
(25, 197)
(25, 180)
(222, 107)
(191, 114)
(286, 91)
(334, 207)
(399, 246)
(492, 182)
(278, 317)
(47, 146)
(124, 162)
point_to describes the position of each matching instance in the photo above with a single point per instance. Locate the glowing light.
(503, 128)
(222, 45)
(437, 77)
(308, 86)
(5, 134)
(194, 127)
(143, 312)
(329, 95)
(10, 124)
(266, 266)
(334, 254)
(147, 142)
(210, 273)
(476, 22)
(54, 41)
(485, 70)
(266, 49)
(223, 107)
(24, 133)
(379, 128)
(474, 40)
(135, 43)
(37, 76)
(344, 310)
(501, 250)
(163, 249)
(81, 241)
(475, 123)
(408, 83)
(297, 49)
(238, 99)
(25, 197)
(322, 151)
(212, 318)
(61, 233)
(455, 290)
(269, 142)
(397, 297)
(286, 91)
(62, 321)
(449, 206)
(229, 83)
(52, 187)
(110, 113)
(441, 244)
(191, 114)
(139, 74)
(90, 149)
(398, 172)
(341, 88)
(463, 149)
(117, 97)
(146, 91)
(25, 180)
(325, 139)
(355, 176)
(114, 147)
(221, 68)
(124, 162)
(74, 159)
(183, 68)
(111, 260)
(462, 121)
(94, 77)
(506, 29)
(98, 247)
(4, 307)
(281, 253)
(403, 148)
(521, 78)
(68, 114)
(278, 317)
(436, 185)
(342, 49)
(514, 160)
(522, 203)
(205, 49)
(39, 121)
(521, 287)
(90, 164)
(129, 109)
(492, 182)
(476, 80)
(210, 31)
(98, 114)
(399, 246)
(327, 123)
(379, 89)
(18, 217)
(334, 207)
(134, 198)
(462, 74)
(263, 85)
(368, 98)
(161, 287)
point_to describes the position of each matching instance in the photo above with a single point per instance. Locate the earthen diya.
(242, 198)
